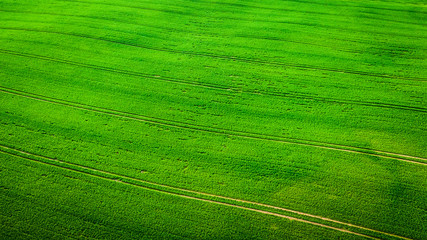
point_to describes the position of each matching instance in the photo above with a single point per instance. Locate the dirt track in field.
(154, 187)
(200, 128)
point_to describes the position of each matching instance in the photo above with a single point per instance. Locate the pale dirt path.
(206, 195)
(217, 131)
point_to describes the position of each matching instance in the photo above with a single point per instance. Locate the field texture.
(203, 119)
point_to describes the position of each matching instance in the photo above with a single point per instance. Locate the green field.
(213, 119)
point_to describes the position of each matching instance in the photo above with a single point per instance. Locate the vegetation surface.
(225, 119)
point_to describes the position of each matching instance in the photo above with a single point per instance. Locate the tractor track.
(315, 12)
(250, 19)
(232, 58)
(354, 6)
(220, 131)
(218, 86)
(180, 192)
(240, 35)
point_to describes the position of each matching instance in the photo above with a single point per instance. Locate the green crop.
(213, 119)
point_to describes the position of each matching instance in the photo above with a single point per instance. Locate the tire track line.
(213, 35)
(252, 20)
(231, 58)
(269, 38)
(122, 179)
(314, 12)
(28, 156)
(245, 6)
(240, 5)
(355, 6)
(219, 86)
(220, 131)
(118, 71)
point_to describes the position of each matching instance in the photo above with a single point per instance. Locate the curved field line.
(177, 124)
(314, 12)
(333, 48)
(219, 86)
(119, 178)
(251, 20)
(52, 163)
(214, 35)
(240, 5)
(354, 6)
(119, 71)
(232, 58)
(201, 128)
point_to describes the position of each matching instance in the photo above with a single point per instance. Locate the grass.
(304, 105)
